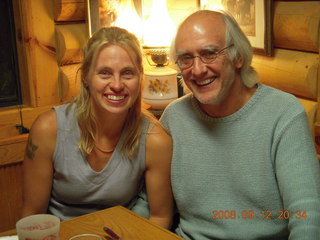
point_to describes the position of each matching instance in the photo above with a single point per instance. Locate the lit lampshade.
(129, 19)
(159, 27)
(160, 86)
(212, 5)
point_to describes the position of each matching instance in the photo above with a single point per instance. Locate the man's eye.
(209, 55)
(186, 58)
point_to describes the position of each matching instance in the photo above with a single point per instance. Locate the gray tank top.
(78, 189)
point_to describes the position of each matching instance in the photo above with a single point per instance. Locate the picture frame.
(254, 18)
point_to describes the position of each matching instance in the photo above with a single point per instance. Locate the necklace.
(104, 151)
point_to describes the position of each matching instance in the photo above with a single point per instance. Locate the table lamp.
(160, 81)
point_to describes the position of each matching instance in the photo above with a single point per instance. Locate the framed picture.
(254, 18)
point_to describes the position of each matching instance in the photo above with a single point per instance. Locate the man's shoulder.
(175, 110)
(280, 98)
(180, 103)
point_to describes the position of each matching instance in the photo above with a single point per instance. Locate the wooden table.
(125, 223)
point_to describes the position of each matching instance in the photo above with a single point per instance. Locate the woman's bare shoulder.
(45, 122)
(159, 136)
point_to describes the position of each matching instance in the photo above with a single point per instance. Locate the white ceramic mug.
(38, 227)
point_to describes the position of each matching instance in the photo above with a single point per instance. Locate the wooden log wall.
(69, 81)
(37, 31)
(71, 35)
(70, 39)
(296, 25)
(291, 71)
(295, 66)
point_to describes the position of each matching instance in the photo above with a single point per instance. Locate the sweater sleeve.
(298, 174)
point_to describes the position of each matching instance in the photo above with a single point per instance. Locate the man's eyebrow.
(210, 48)
(180, 53)
(205, 48)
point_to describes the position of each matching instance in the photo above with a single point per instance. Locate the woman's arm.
(158, 182)
(38, 167)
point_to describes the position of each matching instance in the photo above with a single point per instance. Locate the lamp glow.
(159, 27)
(129, 19)
(160, 80)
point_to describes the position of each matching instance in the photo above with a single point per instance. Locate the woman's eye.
(128, 73)
(104, 73)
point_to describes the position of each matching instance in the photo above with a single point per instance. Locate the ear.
(238, 63)
(85, 82)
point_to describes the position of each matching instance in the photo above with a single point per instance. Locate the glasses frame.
(205, 62)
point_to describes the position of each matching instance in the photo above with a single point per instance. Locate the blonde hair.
(88, 125)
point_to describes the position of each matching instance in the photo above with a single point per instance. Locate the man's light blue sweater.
(241, 176)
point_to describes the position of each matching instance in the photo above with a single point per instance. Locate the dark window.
(9, 74)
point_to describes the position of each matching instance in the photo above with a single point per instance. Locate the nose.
(199, 68)
(116, 84)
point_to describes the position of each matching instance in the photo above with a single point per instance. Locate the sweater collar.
(242, 111)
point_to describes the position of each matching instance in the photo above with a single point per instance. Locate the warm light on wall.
(212, 5)
(129, 19)
(159, 27)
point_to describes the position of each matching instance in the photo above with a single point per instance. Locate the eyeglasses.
(207, 56)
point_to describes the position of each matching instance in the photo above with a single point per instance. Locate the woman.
(94, 152)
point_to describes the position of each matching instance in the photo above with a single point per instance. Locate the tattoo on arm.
(30, 149)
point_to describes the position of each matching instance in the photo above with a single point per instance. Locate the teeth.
(205, 82)
(115, 98)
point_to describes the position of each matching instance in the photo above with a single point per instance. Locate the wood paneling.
(291, 71)
(70, 39)
(69, 80)
(25, 82)
(9, 118)
(30, 114)
(12, 150)
(11, 161)
(11, 195)
(37, 35)
(296, 25)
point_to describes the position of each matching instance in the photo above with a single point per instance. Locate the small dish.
(86, 236)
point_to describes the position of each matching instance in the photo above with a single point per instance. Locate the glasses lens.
(208, 57)
(185, 61)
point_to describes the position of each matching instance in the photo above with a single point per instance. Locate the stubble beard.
(222, 94)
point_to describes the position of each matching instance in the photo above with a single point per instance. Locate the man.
(244, 165)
